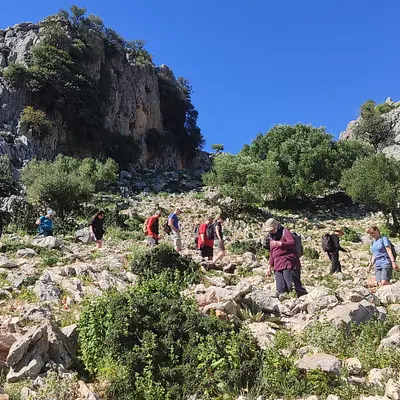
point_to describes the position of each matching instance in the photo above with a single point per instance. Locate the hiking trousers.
(335, 267)
(286, 279)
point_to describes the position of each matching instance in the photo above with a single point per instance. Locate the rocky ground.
(43, 283)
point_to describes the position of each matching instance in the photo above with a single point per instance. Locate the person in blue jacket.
(45, 224)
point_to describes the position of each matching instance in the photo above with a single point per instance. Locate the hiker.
(219, 238)
(153, 235)
(283, 259)
(45, 224)
(173, 223)
(333, 250)
(383, 256)
(205, 242)
(96, 228)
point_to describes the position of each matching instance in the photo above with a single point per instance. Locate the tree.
(286, 164)
(218, 148)
(372, 126)
(375, 181)
(65, 183)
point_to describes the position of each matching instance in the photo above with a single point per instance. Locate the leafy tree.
(375, 181)
(35, 120)
(65, 183)
(218, 148)
(287, 163)
(15, 75)
(141, 57)
(372, 127)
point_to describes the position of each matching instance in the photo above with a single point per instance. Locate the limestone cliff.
(392, 120)
(130, 100)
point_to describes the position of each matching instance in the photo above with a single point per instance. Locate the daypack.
(392, 247)
(327, 244)
(146, 221)
(167, 228)
(196, 233)
(210, 231)
(299, 244)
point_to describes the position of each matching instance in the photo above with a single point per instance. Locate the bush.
(383, 108)
(35, 120)
(150, 343)
(350, 235)
(241, 247)
(65, 183)
(163, 258)
(311, 253)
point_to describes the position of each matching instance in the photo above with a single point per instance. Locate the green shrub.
(383, 108)
(15, 75)
(65, 183)
(35, 120)
(148, 342)
(241, 247)
(311, 253)
(350, 235)
(163, 258)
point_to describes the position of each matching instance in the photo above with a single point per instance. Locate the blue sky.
(257, 63)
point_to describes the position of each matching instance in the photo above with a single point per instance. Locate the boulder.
(392, 339)
(352, 313)
(325, 362)
(263, 333)
(378, 377)
(5, 262)
(263, 300)
(26, 253)
(86, 393)
(353, 365)
(42, 344)
(389, 294)
(83, 235)
(49, 242)
(392, 391)
(318, 299)
(46, 289)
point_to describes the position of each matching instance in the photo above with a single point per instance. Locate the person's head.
(49, 213)
(178, 211)
(157, 214)
(338, 232)
(373, 231)
(272, 225)
(221, 218)
(209, 220)
(99, 215)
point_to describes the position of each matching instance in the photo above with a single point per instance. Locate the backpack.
(196, 233)
(299, 244)
(393, 249)
(327, 244)
(146, 221)
(167, 228)
(210, 231)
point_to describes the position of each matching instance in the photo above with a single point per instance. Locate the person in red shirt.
(205, 244)
(153, 234)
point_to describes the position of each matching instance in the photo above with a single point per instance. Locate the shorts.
(207, 251)
(383, 273)
(219, 245)
(98, 236)
(152, 241)
(176, 237)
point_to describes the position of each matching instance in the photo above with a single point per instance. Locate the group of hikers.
(285, 248)
(208, 235)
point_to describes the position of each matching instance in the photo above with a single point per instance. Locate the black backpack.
(392, 247)
(196, 233)
(210, 231)
(327, 244)
(167, 228)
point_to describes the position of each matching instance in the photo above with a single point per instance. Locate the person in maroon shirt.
(205, 244)
(283, 259)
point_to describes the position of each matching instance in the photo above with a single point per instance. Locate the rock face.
(133, 107)
(393, 120)
(41, 344)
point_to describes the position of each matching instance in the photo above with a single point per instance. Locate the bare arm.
(171, 225)
(38, 221)
(371, 263)
(218, 232)
(391, 256)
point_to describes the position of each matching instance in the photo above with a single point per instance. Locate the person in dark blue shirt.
(45, 224)
(173, 223)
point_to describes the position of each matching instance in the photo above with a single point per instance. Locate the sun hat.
(271, 224)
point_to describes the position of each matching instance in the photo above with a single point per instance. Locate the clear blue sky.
(257, 63)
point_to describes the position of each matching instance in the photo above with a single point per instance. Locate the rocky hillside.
(83, 91)
(44, 283)
(391, 119)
